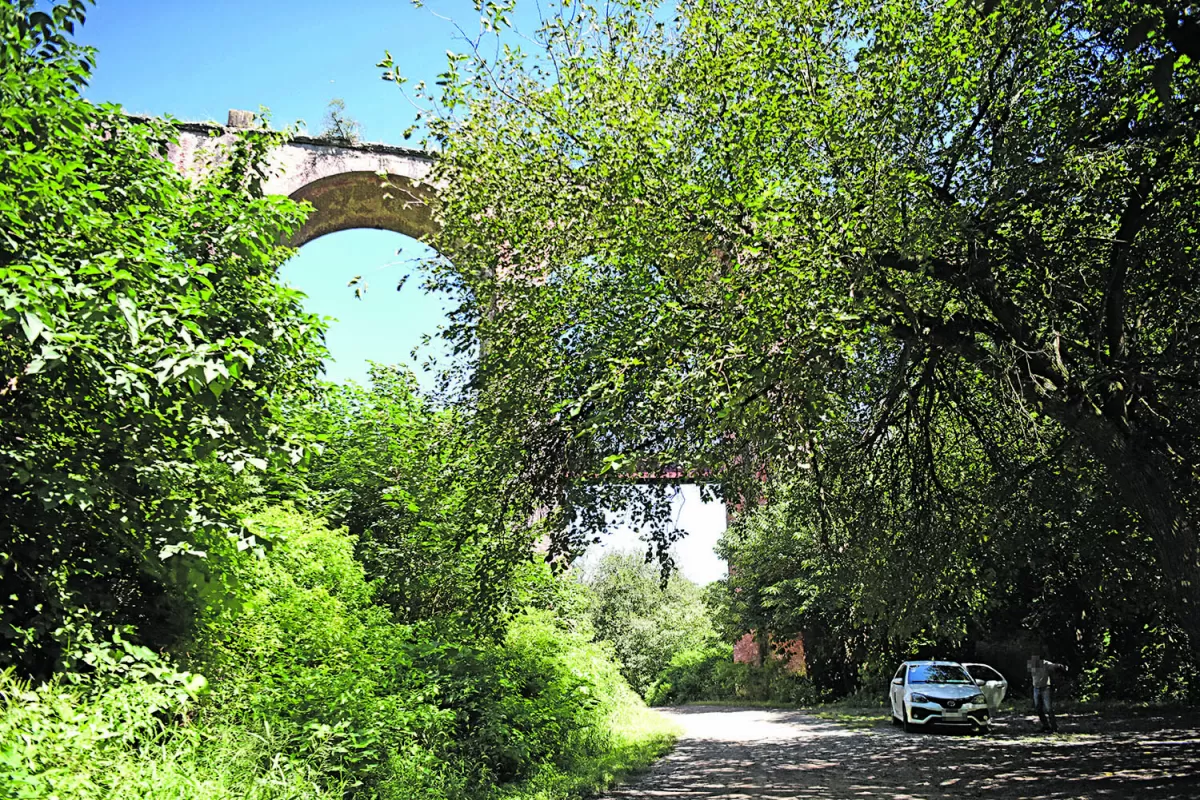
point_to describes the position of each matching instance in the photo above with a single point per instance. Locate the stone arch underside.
(347, 200)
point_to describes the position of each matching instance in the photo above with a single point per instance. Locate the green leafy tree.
(646, 622)
(791, 237)
(338, 127)
(442, 517)
(1052, 562)
(144, 347)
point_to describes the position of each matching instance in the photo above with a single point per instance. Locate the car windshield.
(937, 673)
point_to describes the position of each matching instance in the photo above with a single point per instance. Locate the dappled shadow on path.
(741, 753)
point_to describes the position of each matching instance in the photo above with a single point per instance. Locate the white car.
(928, 693)
(993, 685)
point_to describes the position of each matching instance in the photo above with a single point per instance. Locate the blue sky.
(197, 60)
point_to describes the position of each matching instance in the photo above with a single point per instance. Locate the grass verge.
(639, 737)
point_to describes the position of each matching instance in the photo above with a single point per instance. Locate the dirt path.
(756, 753)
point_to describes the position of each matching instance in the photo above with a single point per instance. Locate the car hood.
(945, 691)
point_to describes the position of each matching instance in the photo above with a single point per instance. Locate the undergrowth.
(710, 674)
(310, 690)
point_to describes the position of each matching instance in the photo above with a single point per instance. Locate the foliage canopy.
(900, 255)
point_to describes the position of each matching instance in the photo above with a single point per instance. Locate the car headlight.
(979, 698)
(918, 698)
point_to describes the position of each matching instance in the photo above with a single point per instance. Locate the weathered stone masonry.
(350, 185)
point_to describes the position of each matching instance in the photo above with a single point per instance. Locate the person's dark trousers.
(1043, 701)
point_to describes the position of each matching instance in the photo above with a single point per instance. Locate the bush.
(705, 674)
(712, 674)
(576, 709)
(127, 729)
(310, 656)
(540, 702)
(314, 691)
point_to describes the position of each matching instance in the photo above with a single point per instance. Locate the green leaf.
(31, 323)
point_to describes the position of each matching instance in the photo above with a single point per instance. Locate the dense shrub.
(712, 674)
(706, 674)
(538, 702)
(128, 729)
(314, 691)
(310, 656)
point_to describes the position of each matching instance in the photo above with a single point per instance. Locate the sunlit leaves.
(144, 345)
(906, 247)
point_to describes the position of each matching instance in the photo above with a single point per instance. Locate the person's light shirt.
(1041, 673)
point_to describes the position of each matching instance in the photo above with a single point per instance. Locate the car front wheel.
(909, 727)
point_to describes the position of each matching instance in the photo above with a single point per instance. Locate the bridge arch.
(346, 200)
(350, 185)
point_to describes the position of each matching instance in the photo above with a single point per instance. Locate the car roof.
(934, 663)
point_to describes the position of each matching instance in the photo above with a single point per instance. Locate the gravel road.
(756, 753)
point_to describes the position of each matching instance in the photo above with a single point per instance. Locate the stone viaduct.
(349, 185)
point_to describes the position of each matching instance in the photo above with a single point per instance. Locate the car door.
(990, 682)
(896, 692)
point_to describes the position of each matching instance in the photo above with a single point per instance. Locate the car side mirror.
(980, 682)
(897, 681)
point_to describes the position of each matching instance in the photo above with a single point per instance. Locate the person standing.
(1043, 690)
